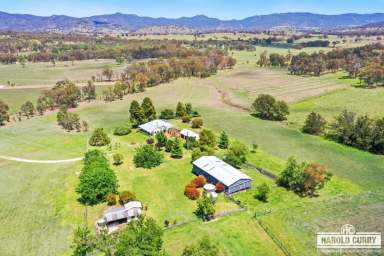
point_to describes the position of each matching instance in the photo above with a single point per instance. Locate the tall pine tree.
(137, 116)
(177, 151)
(149, 109)
(224, 141)
(180, 110)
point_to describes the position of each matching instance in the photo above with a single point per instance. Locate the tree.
(149, 109)
(205, 208)
(89, 91)
(314, 124)
(137, 116)
(207, 138)
(197, 123)
(111, 199)
(97, 179)
(83, 241)
(147, 157)
(126, 197)
(188, 109)
(118, 159)
(177, 151)
(108, 73)
(236, 154)
(203, 248)
(378, 137)
(199, 181)
(180, 110)
(68, 120)
(224, 141)
(65, 94)
(263, 60)
(266, 107)
(99, 138)
(4, 116)
(141, 237)
(315, 178)
(27, 109)
(168, 146)
(41, 105)
(161, 139)
(262, 192)
(167, 114)
(292, 176)
(342, 129)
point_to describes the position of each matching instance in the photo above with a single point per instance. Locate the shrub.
(118, 159)
(121, 131)
(180, 110)
(168, 146)
(220, 187)
(99, 138)
(314, 124)
(266, 107)
(167, 114)
(262, 192)
(111, 199)
(161, 139)
(191, 191)
(199, 181)
(126, 197)
(147, 157)
(166, 223)
(150, 141)
(197, 123)
(186, 119)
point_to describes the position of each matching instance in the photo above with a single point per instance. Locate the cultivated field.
(45, 193)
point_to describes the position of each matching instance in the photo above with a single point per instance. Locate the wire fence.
(262, 171)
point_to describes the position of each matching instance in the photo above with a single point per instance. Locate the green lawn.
(43, 201)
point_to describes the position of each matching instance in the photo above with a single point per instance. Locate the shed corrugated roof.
(189, 134)
(154, 126)
(220, 170)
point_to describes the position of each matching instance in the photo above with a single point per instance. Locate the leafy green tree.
(168, 146)
(167, 114)
(266, 107)
(224, 140)
(203, 248)
(137, 115)
(65, 94)
(147, 157)
(342, 129)
(363, 133)
(141, 237)
(293, 175)
(180, 110)
(378, 137)
(68, 120)
(121, 131)
(4, 116)
(207, 138)
(236, 154)
(41, 105)
(149, 109)
(161, 139)
(188, 109)
(83, 242)
(126, 197)
(177, 151)
(27, 109)
(97, 179)
(106, 243)
(262, 192)
(99, 138)
(89, 91)
(205, 208)
(197, 153)
(314, 124)
(197, 123)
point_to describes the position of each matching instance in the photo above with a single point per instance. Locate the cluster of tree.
(70, 121)
(140, 237)
(302, 178)
(274, 60)
(205, 146)
(147, 156)
(97, 180)
(366, 63)
(361, 132)
(314, 43)
(267, 107)
(140, 114)
(191, 190)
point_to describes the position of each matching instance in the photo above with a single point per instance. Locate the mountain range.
(201, 23)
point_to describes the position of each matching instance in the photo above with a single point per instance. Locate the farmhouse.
(216, 170)
(114, 217)
(155, 126)
(185, 134)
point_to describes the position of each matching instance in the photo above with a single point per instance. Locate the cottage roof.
(155, 126)
(189, 134)
(220, 170)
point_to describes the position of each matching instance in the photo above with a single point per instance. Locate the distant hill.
(374, 25)
(132, 23)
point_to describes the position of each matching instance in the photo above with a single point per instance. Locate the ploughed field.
(45, 193)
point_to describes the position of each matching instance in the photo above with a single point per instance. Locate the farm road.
(17, 159)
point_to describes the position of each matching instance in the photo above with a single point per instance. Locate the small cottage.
(186, 134)
(155, 126)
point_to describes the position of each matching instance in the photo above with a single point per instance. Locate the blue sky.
(224, 9)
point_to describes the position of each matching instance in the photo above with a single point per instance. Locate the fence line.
(262, 171)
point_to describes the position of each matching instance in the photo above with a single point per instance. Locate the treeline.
(365, 63)
(361, 132)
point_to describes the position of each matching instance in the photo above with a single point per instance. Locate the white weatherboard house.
(185, 134)
(114, 217)
(216, 170)
(155, 126)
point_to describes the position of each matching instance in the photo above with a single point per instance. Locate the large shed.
(216, 170)
(155, 126)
